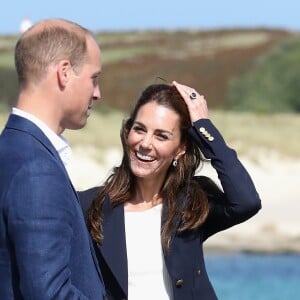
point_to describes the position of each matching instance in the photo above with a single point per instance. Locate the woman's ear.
(180, 152)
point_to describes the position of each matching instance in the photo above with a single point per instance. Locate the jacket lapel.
(170, 262)
(177, 218)
(21, 124)
(113, 248)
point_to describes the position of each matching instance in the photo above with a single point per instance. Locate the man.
(45, 249)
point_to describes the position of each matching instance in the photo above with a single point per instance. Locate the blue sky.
(100, 15)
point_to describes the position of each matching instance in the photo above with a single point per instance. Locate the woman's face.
(154, 141)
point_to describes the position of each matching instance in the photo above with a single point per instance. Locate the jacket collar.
(21, 124)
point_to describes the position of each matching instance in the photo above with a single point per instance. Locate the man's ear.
(64, 69)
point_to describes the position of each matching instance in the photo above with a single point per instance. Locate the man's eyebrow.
(97, 73)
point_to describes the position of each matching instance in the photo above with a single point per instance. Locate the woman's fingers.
(195, 102)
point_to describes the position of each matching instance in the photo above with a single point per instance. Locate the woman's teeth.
(144, 157)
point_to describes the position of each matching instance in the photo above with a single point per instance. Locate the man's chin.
(77, 126)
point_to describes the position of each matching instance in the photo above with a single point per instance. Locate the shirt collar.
(59, 142)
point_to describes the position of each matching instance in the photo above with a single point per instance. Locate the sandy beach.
(276, 228)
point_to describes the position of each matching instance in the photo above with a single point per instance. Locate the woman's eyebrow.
(165, 131)
(156, 130)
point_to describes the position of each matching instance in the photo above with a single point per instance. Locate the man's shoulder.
(21, 152)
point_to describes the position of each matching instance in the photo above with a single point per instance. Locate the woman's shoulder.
(207, 184)
(87, 196)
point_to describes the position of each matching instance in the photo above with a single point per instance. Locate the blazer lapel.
(21, 124)
(177, 218)
(113, 248)
(170, 263)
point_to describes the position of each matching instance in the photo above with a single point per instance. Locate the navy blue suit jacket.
(45, 248)
(184, 260)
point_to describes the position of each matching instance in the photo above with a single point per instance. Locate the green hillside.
(206, 60)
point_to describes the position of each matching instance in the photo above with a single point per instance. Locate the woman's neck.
(145, 197)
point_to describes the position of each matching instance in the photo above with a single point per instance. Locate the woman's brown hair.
(120, 185)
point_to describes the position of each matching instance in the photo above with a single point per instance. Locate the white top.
(59, 143)
(147, 273)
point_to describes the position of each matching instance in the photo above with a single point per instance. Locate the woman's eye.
(163, 137)
(138, 128)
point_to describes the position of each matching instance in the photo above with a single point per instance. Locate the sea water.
(256, 277)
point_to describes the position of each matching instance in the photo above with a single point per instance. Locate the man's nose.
(97, 93)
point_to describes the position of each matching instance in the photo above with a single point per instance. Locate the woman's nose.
(146, 141)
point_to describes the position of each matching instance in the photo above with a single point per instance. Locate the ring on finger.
(193, 95)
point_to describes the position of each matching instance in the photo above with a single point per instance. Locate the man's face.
(83, 89)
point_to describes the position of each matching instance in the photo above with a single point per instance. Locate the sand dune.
(276, 228)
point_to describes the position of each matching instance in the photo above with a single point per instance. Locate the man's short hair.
(47, 43)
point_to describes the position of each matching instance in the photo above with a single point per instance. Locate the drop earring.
(174, 163)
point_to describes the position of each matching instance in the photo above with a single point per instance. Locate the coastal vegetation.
(249, 78)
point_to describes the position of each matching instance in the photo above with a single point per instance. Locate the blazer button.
(198, 271)
(206, 134)
(179, 282)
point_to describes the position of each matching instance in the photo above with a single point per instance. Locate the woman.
(152, 215)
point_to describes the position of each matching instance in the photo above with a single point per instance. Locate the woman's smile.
(144, 158)
(142, 161)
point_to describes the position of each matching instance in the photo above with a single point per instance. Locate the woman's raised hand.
(195, 102)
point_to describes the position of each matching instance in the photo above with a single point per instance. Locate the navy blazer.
(184, 260)
(45, 249)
